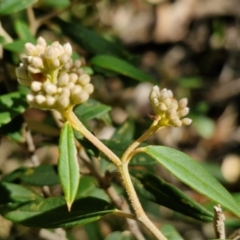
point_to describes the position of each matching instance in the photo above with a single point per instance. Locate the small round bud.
(80, 98)
(76, 90)
(70, 85)
(73, 77)
(37, 62)
(77, 64)
(36, 86)
(30, 97)
(50, 88)
(63, 102)
(30, 49)
(63, 79)
(65, 92)
(40, 99)
(50, 101)
(84, 79)
(89, 88)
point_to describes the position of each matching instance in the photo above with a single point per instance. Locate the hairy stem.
(127, 154)
(139, 212)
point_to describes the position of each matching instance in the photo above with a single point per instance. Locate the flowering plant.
(52, 81)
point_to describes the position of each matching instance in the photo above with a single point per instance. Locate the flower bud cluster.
(169, 111)
(56, 82)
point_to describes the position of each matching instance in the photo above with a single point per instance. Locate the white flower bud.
(176, 122)
(63, 79)
(42, 42)
(63, 102)
(182, 103)
(183, 112)
(64, 58)
(30, 49)
(83, 79)
(36, 86)
(50, 101)
(37, 62)
(65, 92)
(50, 88)
(30, 97)
(70, 85)
(89, 88)
(51, 53)
(40, 99)
(73, 77)
(77, 64)
(80, 98)
(67, 48)
(40, 50)
(167, 101)
(76, 90)
(186, 121)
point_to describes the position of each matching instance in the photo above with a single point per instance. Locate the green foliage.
(68, 167)
(53, 213)
(192, 174)
(73, 200)
(158, 191)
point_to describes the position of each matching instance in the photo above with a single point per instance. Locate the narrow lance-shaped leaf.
(194, 175)
(68, 167)
(163, 193)
(121, 67)
(52, 212)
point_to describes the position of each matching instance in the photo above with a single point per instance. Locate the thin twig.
(218, 222)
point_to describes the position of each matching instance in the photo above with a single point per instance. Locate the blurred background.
(189, 46)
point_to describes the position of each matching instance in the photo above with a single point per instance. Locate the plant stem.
(122, 168)
(139, 212)
(127, 154)
(77, 125)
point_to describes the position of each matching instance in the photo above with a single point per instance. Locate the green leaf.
(15, 193)
(68, 167)
(91, 109)
(14, 176)
(44, 175)
(13, 6)
(11, 105)
(124, 132)
(53, 213)
(121, 67)
(54, 3)
(91, 41)
(194, 175)
(89, 187)
(15, 46)
(23, 31)
(170, 232)
(160, 192)
(119, 236)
